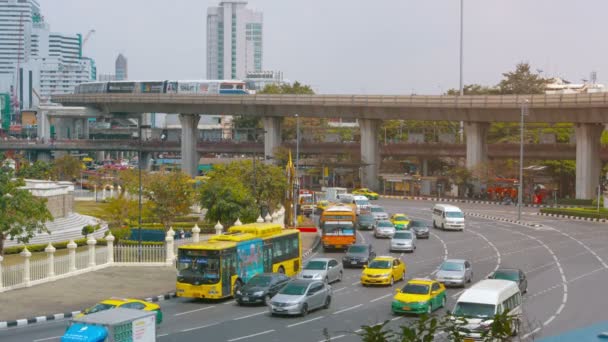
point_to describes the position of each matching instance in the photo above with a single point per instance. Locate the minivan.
(479, 304)
(362, 203)
(448, 217)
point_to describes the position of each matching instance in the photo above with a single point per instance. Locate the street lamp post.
(461, 62)
(297, 183)
(139, 164)
(524, 108)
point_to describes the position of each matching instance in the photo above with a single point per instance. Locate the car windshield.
(506, 275)
(259, 280)
(477, 310)
(357, 249)
(294, 289)
(194, 267)
(400, 218)
(377, 210)
(403, 235)
(381, 264)
(315, 265)
(452, 266)
(415, 289)
(454, 214)
(100, 307)
(361, 202)
(385, 224)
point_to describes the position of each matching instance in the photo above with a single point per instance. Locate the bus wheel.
(281, 270)
(237, 286)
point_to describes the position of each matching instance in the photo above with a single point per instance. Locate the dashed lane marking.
(380, 298)
(306, 321)
(252, 315)
(47, 338)
(347, 309)
(201, 327)
(252, 335)
(191, 311)
(340, 289)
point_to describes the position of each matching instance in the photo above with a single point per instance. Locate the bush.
(35, 248)
(176, 226)
(120, 233)
(577, 212)
(574, 201)
(143, 243)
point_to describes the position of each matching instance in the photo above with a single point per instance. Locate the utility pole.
(461, 62)
(524, 108)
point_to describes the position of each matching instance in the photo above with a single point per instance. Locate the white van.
(481, 302)
(362, 203)
(448, 217)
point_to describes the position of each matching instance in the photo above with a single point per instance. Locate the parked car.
(420, 228)
(403, 241)
(384, 228)
(261, 288)
(125, 303)
(383, 270)
(419, 296)
(299, 297)
(365, 221)
(358, 255)
(512, 274)
(378, 212)
(456, 272)
(324, 269)
(401, 221)
(367, 193)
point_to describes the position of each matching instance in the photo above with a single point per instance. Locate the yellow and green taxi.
(367, 193)
(419, 296)
(322, 204)
(126, 303)
(400, 221)
(383, 270)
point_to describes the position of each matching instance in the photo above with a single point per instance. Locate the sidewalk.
(77, 293)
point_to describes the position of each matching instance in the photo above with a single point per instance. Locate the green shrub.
(577, 212)
(574, 201)
(58, 245)
(120, 233)
(144, 243)
(176, 226)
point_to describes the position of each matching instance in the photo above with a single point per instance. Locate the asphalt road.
(566, 263)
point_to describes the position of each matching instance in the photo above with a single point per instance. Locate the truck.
(306, 201)
(333, 194)
(114, 325)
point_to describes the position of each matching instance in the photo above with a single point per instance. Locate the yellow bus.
(216, 268)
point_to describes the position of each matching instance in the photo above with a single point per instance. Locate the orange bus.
(338, 227)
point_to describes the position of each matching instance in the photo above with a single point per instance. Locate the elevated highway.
(589, 113)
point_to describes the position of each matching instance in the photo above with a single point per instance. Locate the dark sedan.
(365, 221)
(358, 255)
(512, 274)
(261, 288)
(420, 228)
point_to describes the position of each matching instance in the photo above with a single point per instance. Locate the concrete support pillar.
(370, 152)
(188, 145)
(272, 137)
(588, 164)
(477, 151)
(100, 155)
(44, 126)
(85, 128)
(425, 167)
(44, 156)
(146, 161)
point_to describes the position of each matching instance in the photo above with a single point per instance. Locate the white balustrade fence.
(131, 254)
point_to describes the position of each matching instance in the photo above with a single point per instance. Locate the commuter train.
(205, 87)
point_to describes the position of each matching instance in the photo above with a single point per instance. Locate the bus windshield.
(199, 269)
(338, 228)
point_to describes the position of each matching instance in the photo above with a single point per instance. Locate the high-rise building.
(234, 40)
(121, 70)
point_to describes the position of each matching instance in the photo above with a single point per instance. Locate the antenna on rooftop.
(593, 77)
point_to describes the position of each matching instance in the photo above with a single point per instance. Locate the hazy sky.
(353, 46)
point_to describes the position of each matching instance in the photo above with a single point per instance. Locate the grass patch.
(578, 212)
(90, 208)
(16, 259)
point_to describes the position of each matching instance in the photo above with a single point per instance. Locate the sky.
(353, 46)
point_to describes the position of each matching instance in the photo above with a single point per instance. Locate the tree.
(129, 180)
(67, 168)
(461, 176)
(170, 194)
(227, 199)
(121, 210)
(522, 81)
(37, 170)
(22, 215)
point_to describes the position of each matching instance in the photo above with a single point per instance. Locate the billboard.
(5, 110)
(28, 118)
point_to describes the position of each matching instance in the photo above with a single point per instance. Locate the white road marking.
(331, 338)
(230, 302)
(162, 335)
(496, 251)
(252, 335)
(340, 289)
(303, 322)
(47, 339)
(255, 314)
(362, 236)
(201, 327)
(347, 309)
(191, 311)
(380, 298)
(355, 283)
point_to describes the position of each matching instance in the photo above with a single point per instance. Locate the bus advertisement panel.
(250, 259)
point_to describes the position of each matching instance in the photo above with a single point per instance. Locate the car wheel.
(392, 281)
(471, 277)
(267, 299)
(282, 270)
(237, 286)
(304, 310)
(403, 276)
(429, 309)
(443, 301)
(327, 302)
(326, 280)
(340, 276)
(442, 226)
(515, 331)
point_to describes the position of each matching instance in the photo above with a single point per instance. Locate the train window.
(239, 86)
(226, 86)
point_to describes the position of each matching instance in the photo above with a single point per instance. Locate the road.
(566, 264)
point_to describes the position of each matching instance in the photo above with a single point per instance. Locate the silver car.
(403, 241)
(325, 269)
(299, 297)
(455, 272)
(378, 212)
(384, 228)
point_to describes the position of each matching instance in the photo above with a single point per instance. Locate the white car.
(324, 269)
(378, 212)
(403, 241)
(384, 228)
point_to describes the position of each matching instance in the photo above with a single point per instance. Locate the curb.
(435, 199)
(503, 219)
(154, 299)
(578, 218)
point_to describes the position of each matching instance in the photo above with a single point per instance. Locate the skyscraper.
(121, 70)
(234, 40)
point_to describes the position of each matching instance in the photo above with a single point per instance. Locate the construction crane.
(86, 38)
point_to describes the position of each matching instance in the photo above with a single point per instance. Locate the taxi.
(367, 193)
(419, 296)
(383, 270)
(322, 205)
(125, 303)
(400, 221)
